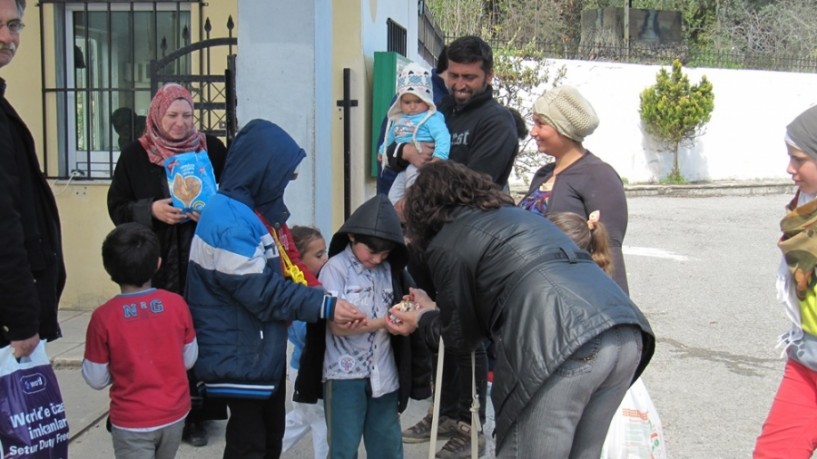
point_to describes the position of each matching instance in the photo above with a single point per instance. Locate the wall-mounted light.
(421, 7)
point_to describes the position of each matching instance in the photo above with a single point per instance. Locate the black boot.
(194, 433)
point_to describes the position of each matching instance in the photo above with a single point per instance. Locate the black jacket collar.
(449, 104)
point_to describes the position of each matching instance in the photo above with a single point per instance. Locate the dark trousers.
(256, 427)
(455, 395)
(385, 178)
(203, 408)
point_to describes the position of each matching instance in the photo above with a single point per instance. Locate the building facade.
(87, 69)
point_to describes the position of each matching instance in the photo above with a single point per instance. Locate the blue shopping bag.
(32, 414)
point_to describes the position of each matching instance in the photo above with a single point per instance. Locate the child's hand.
(353, 325)
(346, 312)
(349, 328)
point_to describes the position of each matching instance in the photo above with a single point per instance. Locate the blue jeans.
(352, 412)
(569, 415)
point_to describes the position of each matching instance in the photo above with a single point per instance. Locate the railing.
(429, 36)
(665, 54)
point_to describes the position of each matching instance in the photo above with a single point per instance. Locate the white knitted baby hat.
(414, 79)
(568, 112)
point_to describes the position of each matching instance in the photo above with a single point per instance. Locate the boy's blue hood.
(260, 164)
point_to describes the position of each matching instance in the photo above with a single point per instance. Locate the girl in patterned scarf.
(789, 428)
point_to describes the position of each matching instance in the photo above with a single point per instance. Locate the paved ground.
(701, 269)
(87, 408)
(703, 272)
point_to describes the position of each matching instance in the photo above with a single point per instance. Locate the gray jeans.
(159, 444)
(569, 415)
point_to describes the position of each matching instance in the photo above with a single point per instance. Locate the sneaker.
(459, 445)
(195, 434)
(421, 432)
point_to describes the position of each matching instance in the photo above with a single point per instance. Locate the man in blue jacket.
(238, 295)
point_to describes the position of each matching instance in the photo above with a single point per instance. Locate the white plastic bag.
(635, 431)
(32, 414)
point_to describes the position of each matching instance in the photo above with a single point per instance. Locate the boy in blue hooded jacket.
(239, 297)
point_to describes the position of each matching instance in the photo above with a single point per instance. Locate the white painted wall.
(743, 140)
(283, 75)
(374, 15)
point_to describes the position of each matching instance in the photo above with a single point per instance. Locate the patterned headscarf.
(799, 244)
(155, 142)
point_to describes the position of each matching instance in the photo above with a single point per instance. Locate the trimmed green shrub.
(673, 111)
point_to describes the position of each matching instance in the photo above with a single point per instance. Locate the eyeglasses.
(15, 26)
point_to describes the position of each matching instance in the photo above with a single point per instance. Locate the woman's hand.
(420, 297)
(417, 158)
(164, 211)
(405, 321)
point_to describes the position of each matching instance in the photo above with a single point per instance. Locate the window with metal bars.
(99, 87)
(396, 37)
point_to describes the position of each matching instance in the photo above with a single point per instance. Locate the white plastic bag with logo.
(635, 431)
(32, 414)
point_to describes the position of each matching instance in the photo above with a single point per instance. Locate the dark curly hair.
(440, 189)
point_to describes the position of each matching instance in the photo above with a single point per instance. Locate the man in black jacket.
(32, 273)
(483, 132)
(484, 138)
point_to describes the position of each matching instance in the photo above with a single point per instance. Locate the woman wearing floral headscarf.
(139, 191)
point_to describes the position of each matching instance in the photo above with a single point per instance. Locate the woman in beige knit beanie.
(577, 180)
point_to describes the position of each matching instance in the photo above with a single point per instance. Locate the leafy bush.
(673, 111)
